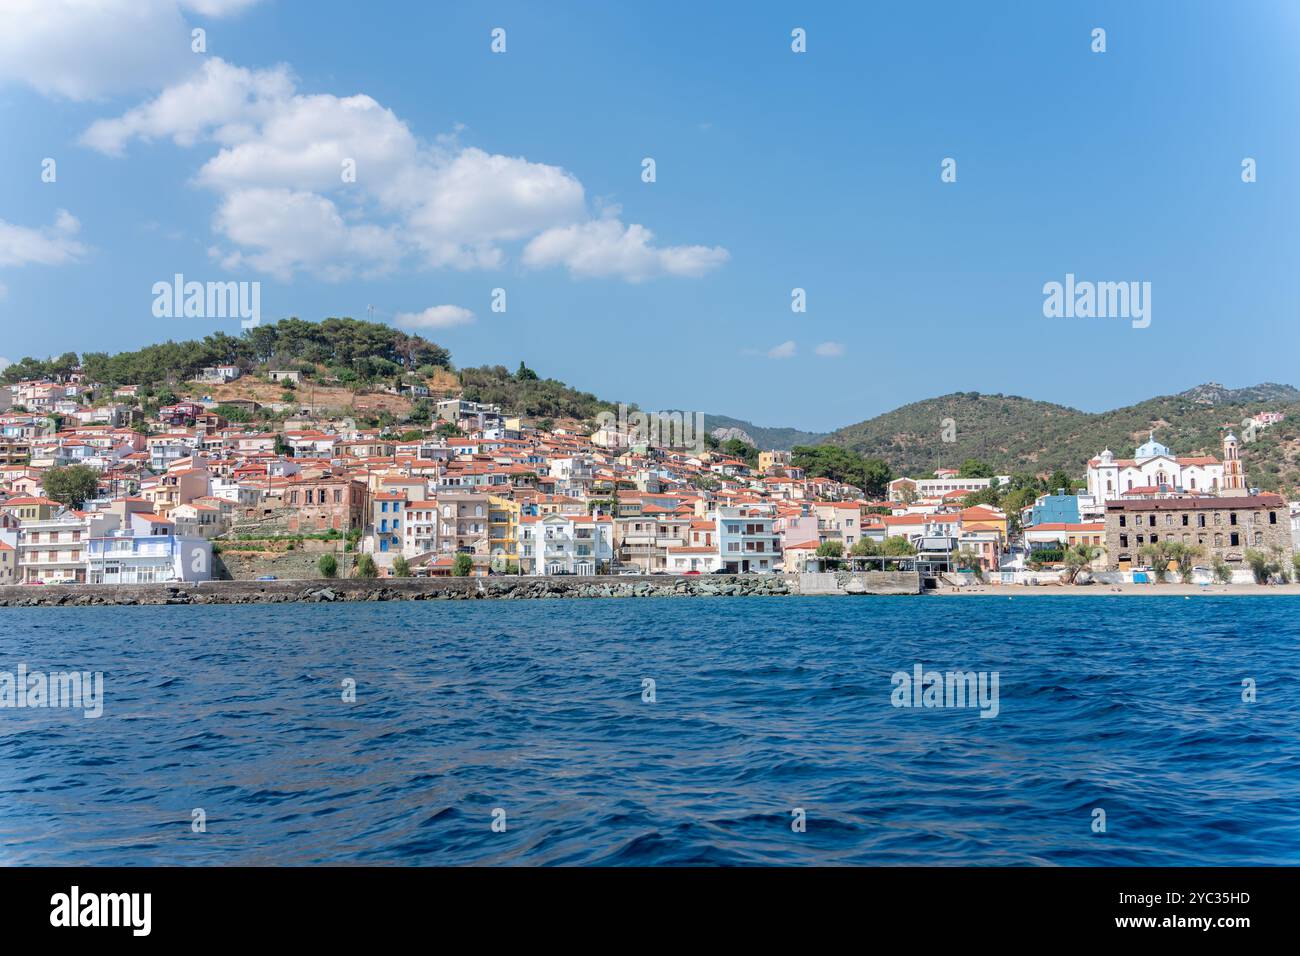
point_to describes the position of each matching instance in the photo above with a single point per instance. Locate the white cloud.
(435, 317)
(829, 349)
(440, 204)
(4, 363)
(217, 8)
(606, 247)
(91, 49)
(49, 246)
(783, 351)
(283, 230)
(219, 100)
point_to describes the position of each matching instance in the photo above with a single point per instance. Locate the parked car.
(267, 577)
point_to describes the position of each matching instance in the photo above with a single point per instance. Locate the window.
(1122, 521)
(1234, 539)
(1232, 517)
(1272, 517)
(1184, 521)
(1123, 541)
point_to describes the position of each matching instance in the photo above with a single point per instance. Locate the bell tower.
(1234, 481)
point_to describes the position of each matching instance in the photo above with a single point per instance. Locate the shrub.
(365, 567)
(327, 565)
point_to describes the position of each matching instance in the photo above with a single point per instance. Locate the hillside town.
(107, 493)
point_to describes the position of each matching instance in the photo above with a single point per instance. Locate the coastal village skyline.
(250, 468)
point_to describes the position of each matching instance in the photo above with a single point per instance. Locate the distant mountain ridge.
(1212, 393)
(723, 427)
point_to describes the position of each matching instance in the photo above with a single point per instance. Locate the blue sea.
(535, 714)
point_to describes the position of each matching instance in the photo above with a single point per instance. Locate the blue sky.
(775, 170)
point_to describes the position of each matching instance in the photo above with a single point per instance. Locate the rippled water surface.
(1132, 705)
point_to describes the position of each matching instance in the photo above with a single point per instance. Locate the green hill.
(1015, 434)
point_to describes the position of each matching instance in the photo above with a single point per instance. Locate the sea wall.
(506, 587)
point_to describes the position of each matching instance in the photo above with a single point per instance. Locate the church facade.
(1155, 470)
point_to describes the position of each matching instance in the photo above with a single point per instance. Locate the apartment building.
(747, 540)
(53, 550)
(566, 544)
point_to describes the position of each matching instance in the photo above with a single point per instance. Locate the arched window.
(1218, 541)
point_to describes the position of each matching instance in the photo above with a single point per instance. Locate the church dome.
(1152, 448)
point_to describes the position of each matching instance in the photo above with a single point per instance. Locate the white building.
(1153, 468)
(565, 544)
(735, 540)
(133, 557)
(53, 550)
(939, 486)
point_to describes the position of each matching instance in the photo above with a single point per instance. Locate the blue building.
(1054, 509)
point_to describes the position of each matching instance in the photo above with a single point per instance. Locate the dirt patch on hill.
(319, 398)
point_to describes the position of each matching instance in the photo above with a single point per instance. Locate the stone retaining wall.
(502, 587)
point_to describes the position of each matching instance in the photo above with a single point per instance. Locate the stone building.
(331, 502)
(1224, 527)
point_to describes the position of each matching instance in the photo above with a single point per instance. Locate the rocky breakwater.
(399, 589)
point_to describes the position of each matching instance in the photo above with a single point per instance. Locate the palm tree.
(1077, 558)
(1157, 554)
(1185, 555)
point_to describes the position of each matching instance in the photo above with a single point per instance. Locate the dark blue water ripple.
(763, 705)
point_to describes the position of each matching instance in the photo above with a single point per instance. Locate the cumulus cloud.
(607, 247)
(357, 172)
(278, 231)
(92, 49)
(435, 317)
(829, 349)
(220, 100)
(783, 351)
(47, 246)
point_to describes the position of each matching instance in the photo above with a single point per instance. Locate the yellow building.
(503, 531)
(981, 518)
(31, 508)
